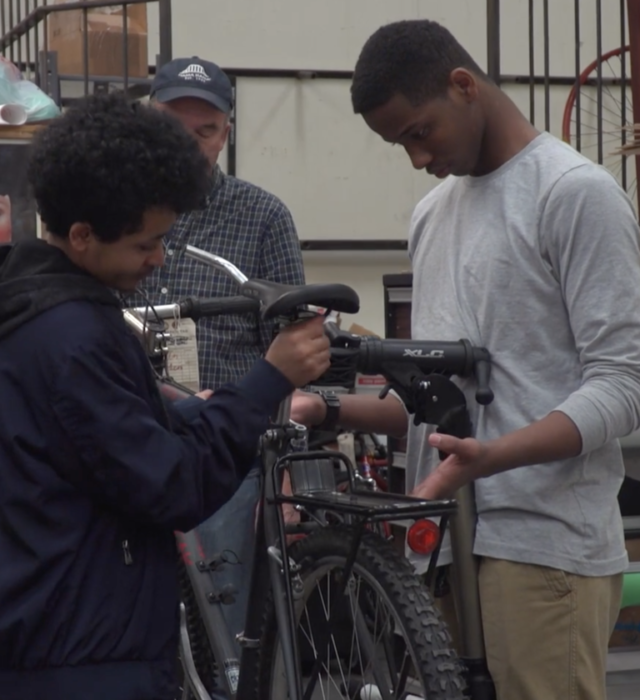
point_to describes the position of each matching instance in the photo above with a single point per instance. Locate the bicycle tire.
(201, 652)
(434, 659)
(582, 80)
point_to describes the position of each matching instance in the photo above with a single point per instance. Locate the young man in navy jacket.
(95, 472)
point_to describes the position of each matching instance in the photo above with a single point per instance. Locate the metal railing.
(599, 87)
(24, 40)
(601, 90)
(592, 101)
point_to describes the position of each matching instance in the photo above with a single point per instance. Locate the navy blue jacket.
(94, 478)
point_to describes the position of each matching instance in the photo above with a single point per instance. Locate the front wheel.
(382, 638)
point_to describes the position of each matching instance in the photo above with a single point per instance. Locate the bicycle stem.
(284, 412)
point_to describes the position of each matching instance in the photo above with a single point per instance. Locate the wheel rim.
(356, 676)
(580, 128)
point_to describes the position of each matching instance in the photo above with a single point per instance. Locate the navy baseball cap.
(193, 77)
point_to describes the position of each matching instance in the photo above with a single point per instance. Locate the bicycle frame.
(271, 561)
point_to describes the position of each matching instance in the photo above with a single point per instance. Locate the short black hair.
(107, 161)
(413, 58)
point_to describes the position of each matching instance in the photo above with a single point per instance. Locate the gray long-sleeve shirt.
(539, 262)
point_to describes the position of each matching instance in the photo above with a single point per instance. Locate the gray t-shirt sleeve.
(589, 237)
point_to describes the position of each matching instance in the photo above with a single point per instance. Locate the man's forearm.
(553, 438)
(370, 414)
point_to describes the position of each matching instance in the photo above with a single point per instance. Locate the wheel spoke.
(603, 128)
(382, 624)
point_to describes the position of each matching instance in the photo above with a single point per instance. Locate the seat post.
(284, 411)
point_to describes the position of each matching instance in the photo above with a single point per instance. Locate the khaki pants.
(547, 631)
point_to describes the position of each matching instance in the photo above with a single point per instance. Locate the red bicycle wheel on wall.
(597, 122)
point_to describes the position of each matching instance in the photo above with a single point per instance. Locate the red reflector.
(423, 536)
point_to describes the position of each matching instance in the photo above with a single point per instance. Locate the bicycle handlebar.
(416, 369)
(215, 261)
(406, 363)
(195, 308)
(401, 362)
(448, 357)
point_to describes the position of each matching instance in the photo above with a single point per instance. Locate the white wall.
(300, 140)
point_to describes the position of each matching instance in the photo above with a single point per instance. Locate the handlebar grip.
(428, 356)
(195, 308)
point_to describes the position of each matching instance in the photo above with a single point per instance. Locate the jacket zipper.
(128, 559)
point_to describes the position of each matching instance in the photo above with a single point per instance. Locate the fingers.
(449, 444)
(429, 488)
(312, 328)
(318, 347)
(205, 394)
(319, 356)
(301, 351)
(441, 483)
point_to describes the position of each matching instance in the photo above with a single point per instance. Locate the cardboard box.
(357, 329)
(105, 41)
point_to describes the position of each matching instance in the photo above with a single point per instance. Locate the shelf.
(399, 295)
(623, 667)
(25, 132)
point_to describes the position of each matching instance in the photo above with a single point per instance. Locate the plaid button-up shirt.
(255, 231)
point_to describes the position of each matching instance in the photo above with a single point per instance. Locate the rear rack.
(318, 491)
(374, 507)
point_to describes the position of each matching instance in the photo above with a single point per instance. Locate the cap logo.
(195, 72)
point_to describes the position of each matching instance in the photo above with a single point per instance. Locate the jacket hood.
(35, 277)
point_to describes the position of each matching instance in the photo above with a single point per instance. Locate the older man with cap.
(255, 231)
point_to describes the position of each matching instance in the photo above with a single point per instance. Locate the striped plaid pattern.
(255, 231)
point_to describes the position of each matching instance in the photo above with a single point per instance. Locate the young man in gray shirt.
(530, 250)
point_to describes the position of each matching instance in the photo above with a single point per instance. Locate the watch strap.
(332, 416)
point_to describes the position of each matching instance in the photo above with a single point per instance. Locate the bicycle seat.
(280, 299)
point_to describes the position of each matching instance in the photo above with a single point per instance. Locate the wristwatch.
(332, 402)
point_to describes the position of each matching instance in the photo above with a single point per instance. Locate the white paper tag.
(347, 445)
(182, 358)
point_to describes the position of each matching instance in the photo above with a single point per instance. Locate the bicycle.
(290, 622)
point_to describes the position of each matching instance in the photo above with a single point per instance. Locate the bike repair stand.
(436, 400)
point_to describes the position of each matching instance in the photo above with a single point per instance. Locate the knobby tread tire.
(425, 633)
(200, 648)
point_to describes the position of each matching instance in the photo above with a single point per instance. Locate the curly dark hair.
(106, 161)
(413, 58)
